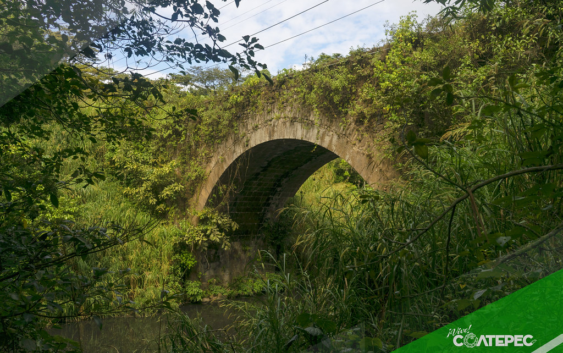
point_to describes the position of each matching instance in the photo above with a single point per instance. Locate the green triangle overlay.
(535, 310)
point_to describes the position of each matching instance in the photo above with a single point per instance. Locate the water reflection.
(137, 334)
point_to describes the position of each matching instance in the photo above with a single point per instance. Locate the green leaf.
(98, 272)
(411, 136)
(100, 176)
(369, 343)
(435, 93)
(494, 273)
(479, 293)
(326, 325)
(462, 304)
(486, 238)
(192, 113)
(534, 158)
(435, 81)
(54, 199)
(234, 71)
(503, 240)
(421, 150)
(7, 194)
(88, 52)
(446, 73)
(489, 110)
(449, 98)
(512, 81)
(313, 331)
(537, 130)
(515, 232)
(304, 320)
(504, 201)
(422, 141)
(546, 190)
(197, 8)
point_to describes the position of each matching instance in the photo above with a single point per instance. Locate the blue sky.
(364, 29)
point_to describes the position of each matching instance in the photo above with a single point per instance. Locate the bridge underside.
(257, 185)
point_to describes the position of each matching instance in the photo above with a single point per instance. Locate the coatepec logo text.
(464, 337)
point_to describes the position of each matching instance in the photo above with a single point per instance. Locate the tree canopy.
(52, 56)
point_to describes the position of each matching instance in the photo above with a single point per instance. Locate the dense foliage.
(472, 106)
(469, 105)
(58, 108)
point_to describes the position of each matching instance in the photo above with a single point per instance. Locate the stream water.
(137, 334)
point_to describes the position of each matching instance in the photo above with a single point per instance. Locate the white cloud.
(366, 28)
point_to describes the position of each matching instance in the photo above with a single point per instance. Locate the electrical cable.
(300, 34)
(275, 24)
(123, 58)
(242, 14)
(231, 26)
(295, 36)
(226, 5)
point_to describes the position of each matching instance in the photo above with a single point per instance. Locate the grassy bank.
(472, 114)
(477, 213)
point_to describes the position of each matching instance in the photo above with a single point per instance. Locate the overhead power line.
(244, 13)
(123, 58)
(295, 36)
(226, 5)
(276, 24)
(326, 24)
(246, 19)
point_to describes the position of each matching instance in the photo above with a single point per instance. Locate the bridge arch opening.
(257, 184)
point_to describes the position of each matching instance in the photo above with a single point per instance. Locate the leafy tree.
(36, 36)
(62, 44)
(204, 81)
(475, 105)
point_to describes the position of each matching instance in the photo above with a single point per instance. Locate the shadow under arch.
(252, 175)
(261, 180)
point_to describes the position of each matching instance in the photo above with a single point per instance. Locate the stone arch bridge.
(253, 173)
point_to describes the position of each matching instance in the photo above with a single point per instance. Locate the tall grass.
(148, 262)
(145, 266)
(349, 265)
(357, 256)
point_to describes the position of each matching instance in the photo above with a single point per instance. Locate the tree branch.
(464, 197)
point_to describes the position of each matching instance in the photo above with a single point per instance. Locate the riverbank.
(129, 334)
